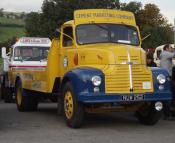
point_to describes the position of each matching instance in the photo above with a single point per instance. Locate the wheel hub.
(68, 105)
(19, 97)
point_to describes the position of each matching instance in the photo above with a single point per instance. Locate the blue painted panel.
(117, 98)
(167, 85)
(84, 89)
(81, 79)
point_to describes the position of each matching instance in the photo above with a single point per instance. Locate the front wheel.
(24, 102)
(149, 116)
(60, 106)
(73, 110)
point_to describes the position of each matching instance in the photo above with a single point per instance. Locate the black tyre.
(8, 95)
(6, 92)
(24, 101)
(2, 90)
(73, 110)
(149, 116)
(60, 106)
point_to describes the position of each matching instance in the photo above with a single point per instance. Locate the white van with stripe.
(27, 54)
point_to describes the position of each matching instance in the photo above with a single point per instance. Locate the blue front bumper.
(117, 98)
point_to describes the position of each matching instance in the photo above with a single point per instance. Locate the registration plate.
(135, 97)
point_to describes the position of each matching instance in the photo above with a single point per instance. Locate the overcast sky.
(167, 6)
(21, 5)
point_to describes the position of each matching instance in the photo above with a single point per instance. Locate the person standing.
(166, 58)
(150, 60)
(166, 62)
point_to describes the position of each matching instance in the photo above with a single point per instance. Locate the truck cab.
(96, 64)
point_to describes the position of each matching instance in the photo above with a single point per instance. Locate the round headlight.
(96, 80)
(161, 79)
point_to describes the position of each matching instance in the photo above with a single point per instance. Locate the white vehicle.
(157, 53)
(27, 52)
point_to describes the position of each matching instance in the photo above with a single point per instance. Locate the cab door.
(67, 49)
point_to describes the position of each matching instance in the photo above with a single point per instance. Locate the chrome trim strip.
(130, 71)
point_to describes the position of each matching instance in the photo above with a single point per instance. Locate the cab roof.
(33, 41)
(88, 16)
(104, 16)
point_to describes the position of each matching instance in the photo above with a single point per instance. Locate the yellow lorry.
(95, 64)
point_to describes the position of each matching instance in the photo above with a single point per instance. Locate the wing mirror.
(146, 37)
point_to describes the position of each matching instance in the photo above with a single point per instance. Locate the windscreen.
(107, 33)
(31, 53)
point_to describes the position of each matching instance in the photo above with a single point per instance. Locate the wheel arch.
(80, 78)
(64, 81)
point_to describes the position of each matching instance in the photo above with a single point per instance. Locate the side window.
(67, 41)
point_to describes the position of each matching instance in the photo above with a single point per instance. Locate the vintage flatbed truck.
(95, 64)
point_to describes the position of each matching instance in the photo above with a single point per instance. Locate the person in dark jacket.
(150, 60)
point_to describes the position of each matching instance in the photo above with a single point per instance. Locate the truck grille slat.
(120, 83)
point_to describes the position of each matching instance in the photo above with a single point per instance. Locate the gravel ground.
(45, 126)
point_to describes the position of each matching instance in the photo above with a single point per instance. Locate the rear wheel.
(73, 110)
(8, 95)
(2, 87)
(6, 92)
(149, 116)
(24, 102)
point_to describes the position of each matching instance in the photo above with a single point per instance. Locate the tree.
(56, 12)
(151, 16)
(151, 21)
(134, 7)
(32, 25)
(1, 11)
(22, 15)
